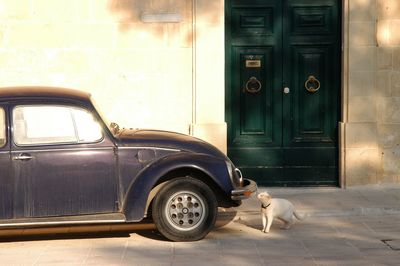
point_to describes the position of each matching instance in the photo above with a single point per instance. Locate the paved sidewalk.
(362, 200)
(356, 226)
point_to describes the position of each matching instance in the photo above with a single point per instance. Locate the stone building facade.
(371, 82)
(161, 64)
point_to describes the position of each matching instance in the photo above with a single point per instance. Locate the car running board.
(64, 220)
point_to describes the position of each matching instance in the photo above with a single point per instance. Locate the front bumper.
(249, 187)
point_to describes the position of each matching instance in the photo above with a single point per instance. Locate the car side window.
(3, 126)
(51, 124)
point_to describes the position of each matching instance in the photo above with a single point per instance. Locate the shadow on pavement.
(73, 232)
(145, 229)
(251, 223)
(225, 216)
(63, 236)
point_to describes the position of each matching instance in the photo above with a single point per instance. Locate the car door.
(6, 179)
(63, 162)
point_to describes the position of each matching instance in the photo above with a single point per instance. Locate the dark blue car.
(60, 164)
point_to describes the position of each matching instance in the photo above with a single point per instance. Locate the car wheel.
(185, 209)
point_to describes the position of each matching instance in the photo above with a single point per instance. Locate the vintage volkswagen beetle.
(61, 165)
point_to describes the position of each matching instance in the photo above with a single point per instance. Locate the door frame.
(344, 92)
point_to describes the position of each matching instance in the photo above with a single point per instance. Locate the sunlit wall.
(370, 147)
(388, 87)
(148, 63)
(160, 64)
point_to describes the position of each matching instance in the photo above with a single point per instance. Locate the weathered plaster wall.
(152, 75)
(372, 92)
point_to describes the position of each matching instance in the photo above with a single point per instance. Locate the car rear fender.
(136, 198)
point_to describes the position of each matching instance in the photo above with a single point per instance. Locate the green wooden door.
(282, 89)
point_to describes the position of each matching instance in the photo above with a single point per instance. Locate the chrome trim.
(22, 157)
(148, 148)
(52, 144)
(243, 192)
(59, 223)
(63, 149)
(230, 169)
(237, 170)
(107, 218)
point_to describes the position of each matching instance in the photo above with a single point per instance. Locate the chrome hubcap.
(185, 210)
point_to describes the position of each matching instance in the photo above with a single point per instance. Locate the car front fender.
(134, 203)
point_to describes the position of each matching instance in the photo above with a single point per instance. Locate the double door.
(282, 89)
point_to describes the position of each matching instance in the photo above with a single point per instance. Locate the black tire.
(185, 209)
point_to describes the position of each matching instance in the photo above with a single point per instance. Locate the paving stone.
(394, 244)
(346, 228)
(388, 260)
(335, 261)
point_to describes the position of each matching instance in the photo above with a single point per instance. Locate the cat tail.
(297, 215)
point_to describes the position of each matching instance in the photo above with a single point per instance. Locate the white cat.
(281, 209)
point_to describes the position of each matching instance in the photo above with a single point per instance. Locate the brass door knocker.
(312, 84)
(253, 85)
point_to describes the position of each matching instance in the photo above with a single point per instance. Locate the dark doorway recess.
(283, 72)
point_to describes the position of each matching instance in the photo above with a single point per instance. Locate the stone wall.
(388, 87)
(170, 75)
(371, 96)
(143, 73)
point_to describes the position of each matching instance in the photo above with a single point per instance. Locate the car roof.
(42, 92)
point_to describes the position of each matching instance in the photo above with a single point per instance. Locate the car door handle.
(23, 157)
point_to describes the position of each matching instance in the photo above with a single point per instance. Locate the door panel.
(312, 18)
(6, 185)
(255, 95)
(283, 138)
(310, 110)
(254, 59)
(247, 20)
(66, 181)
(311, 68)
